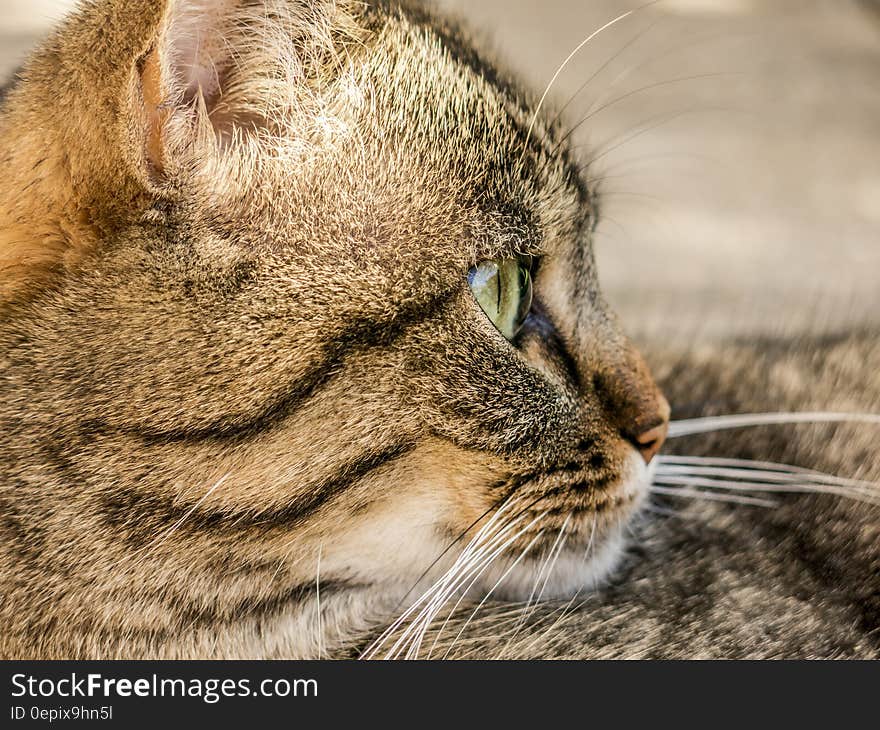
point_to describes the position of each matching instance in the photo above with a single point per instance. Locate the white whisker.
(592, 537)
(420, 626)
(440, 592)
(568, 60)
(468, 550)
(471, 570)
(773, 487)
(658, 121)
(550, 560)
(772, 480)
(563, 536)
(769, 475)
(750, 467)
(708, 424)
(656, 85)
(504, 575)
(712, 497)
(318, 604)
(656, 509)
(615, 82)
(163, 538)
(703, 482)
(605, 65)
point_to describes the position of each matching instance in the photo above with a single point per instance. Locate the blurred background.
(737, 142)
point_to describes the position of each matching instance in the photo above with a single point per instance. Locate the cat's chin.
(587, 557)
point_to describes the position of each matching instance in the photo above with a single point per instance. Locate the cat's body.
(247, 395)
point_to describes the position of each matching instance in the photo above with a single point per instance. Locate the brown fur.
(709, 580)
(240, 358)
(247, 397)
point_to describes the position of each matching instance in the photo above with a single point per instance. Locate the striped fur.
(719, 580)
(241, 363)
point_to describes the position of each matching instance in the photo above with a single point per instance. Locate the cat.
(297, 298)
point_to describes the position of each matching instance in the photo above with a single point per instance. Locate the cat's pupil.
(503, 289)
(525, 302)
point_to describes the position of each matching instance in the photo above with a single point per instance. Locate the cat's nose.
(648, 439)
(632, 401)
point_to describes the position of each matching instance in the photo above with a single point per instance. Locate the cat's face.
(358, 310)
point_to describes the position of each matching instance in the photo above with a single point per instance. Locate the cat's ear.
(181, 78)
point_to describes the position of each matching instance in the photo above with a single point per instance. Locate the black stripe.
(347, 476)
(360, 336)
(139, 518)
(198, 615)
(22, 535)
(554, 346)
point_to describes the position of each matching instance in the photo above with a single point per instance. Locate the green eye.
(503, 289)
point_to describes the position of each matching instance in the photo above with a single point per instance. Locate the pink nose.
(649, 442)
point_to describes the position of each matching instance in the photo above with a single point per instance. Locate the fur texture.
(706, 579)
(249, 406)
(241, 361)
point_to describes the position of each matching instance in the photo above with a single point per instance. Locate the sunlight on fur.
(305, 355)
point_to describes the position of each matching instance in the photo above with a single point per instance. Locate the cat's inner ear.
(181, 77)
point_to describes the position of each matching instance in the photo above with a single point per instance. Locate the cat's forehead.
(417, 146)
(429, 140)
(477, 125)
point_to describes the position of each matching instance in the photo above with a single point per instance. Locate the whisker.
(592, 537)
(475, 575)
(438, 594)
(371, 650)
(466, 554)
(641, 89)
(472, 553)
(764, 487)
(463, 534)
(727, 461)
(550, 560)
(663, 119)
(426, 618)
(563, 611)
(605, 65)
(770, 476)
(628, 194)
(770, 466)
(318, 602)
(697, 494)
(656, 509)
(507, 572)
(460, 537)
(676, 49)
(568, 59)
(636, 165)
(563, 536)
(691, 426)
(162, 539)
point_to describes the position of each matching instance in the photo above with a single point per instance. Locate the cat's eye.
(503, 289)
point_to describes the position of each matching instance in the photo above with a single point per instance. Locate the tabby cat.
(298, 301)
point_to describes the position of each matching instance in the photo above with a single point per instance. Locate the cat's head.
(313, 278)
